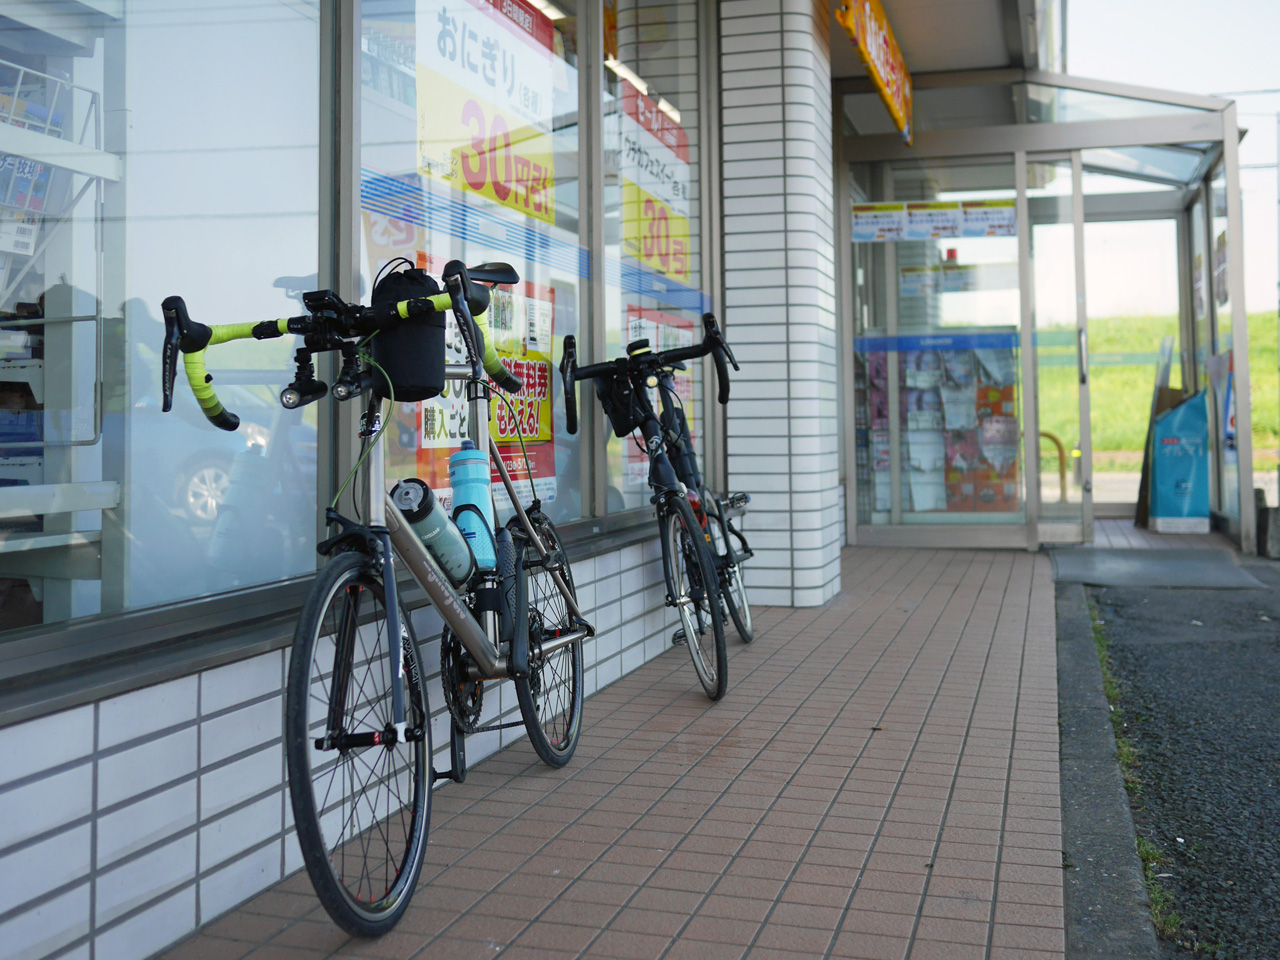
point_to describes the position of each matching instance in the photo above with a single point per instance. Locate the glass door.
(1060, 338)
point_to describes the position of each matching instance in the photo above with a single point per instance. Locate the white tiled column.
(779, 281)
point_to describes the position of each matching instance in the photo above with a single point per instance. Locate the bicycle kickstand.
(457, 757)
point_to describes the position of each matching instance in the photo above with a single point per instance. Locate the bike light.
(300, 394)
(346, 388)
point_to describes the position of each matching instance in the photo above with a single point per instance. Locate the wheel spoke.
(551, 697)
(363, 826)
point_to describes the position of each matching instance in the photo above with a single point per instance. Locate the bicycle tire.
(365, 847)
(550, 696)
(694, 588)
(732, 589)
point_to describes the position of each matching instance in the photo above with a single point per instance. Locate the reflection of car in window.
(198, 460)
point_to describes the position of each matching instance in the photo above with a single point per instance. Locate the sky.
(1197, 47)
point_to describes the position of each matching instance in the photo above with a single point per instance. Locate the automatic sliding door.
(1061, 352)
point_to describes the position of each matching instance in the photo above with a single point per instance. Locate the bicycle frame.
(479, 640)
(684, 459)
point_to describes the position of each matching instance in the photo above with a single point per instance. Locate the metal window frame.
(845, 324)
(715, 417)
(1239, 329)
(947, 79)
(1027, 356)
(1037, 138)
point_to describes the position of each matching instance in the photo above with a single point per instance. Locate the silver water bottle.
(443, 540)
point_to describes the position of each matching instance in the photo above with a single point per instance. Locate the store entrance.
(1132, 289)
(1106, 322)
(1041, 255)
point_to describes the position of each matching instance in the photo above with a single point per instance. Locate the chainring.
(464, 697)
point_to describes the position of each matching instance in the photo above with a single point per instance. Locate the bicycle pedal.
(678, 639)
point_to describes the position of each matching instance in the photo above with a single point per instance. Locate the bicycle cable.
(333, 504)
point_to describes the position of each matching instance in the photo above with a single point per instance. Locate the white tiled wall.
(780, 293)
(129, 823)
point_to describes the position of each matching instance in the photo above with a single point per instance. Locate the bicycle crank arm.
(543, 649)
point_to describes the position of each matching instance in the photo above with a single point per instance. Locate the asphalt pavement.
(1199, 672)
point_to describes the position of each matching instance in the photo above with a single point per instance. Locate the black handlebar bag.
(619, 402)
(412, 352)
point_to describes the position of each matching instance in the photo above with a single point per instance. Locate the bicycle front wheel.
(733, 591)
(550, 696)
(361, 796)
(691, 579)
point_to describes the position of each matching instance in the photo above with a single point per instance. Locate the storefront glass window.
(653, 248)
(127, 176)
(469, 151)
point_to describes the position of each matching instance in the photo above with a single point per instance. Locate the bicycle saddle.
(494, 273)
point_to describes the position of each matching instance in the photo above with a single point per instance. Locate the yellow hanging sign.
(867, 26)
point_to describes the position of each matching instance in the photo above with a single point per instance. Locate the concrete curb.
(1107, 912)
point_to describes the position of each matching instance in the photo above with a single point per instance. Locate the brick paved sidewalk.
(881, 781)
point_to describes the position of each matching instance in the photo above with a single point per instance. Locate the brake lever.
(568, 375)
(169, 358)
(712, 330)
(728, 351)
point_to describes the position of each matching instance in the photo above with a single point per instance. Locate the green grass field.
(1120, 396)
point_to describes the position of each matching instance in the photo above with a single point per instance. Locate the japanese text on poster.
(878, 222)
(522, 320)
(927, 220)
(931, 220)
(486, 76)
(654, 166)
(988, 218)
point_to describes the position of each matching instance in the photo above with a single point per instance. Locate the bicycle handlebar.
(713, 343)
(332, 322)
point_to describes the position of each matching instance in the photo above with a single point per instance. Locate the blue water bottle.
(472, 503)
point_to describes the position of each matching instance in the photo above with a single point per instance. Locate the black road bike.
(702, 549)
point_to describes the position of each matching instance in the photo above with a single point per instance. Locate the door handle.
(1082, 354)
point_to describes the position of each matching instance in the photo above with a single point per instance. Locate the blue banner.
(941, 341)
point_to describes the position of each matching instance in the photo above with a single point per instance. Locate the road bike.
(716, 514)
(357, 718)
(700, 562)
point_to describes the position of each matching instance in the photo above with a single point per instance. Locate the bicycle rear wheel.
(550, 696)
(732, 590)
(361, 800)
(691, 579)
